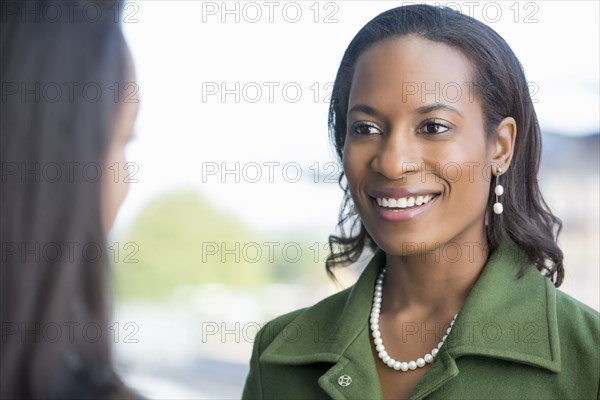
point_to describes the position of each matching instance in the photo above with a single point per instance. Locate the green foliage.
(177, 236)
(183, 240)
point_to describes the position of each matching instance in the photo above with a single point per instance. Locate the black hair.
(58, 65)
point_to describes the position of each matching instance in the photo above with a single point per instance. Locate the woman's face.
(416, 156)
(115, 185)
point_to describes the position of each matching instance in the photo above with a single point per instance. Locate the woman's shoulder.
(578, 328)
(578, 319)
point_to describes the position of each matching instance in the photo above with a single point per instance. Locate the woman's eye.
(363, 128)
(433, 128)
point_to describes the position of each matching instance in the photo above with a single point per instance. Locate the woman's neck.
(435, 280)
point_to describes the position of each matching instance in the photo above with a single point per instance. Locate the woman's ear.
(502, 147)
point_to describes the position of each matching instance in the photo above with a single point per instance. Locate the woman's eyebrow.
(426, 109)
(364, 109)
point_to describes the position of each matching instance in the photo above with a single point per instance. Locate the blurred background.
(234, 189)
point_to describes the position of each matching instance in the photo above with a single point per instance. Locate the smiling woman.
(432, 119)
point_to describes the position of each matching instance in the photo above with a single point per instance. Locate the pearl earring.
(498, 190)
(353, 210)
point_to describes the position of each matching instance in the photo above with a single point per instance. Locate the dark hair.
(503, 91)
(58, 117)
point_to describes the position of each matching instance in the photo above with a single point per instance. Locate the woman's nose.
(397, 156)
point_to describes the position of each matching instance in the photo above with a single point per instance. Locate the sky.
(234, 96)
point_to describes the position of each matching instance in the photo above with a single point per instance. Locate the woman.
(67, 114)
(432, 120)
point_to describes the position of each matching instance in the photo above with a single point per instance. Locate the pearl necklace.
(378, 341)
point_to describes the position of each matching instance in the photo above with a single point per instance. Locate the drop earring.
(498, 191)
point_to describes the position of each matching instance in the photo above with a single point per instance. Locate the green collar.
(495, 321)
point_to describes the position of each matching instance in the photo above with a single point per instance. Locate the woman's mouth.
(403, 203)
(401, 209)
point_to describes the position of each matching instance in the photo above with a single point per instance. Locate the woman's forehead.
(412, 68)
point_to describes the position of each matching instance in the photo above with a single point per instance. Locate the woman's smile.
(402, 204)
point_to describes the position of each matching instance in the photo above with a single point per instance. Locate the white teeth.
(404, 202)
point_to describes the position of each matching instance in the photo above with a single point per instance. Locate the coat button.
(344, 380)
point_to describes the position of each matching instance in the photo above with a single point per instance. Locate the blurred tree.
(181, 239)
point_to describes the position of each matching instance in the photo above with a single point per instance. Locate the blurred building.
(569, 178)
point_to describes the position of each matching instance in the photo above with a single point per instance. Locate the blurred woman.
(69, 102)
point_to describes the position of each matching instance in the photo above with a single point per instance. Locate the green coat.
(513, 339)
